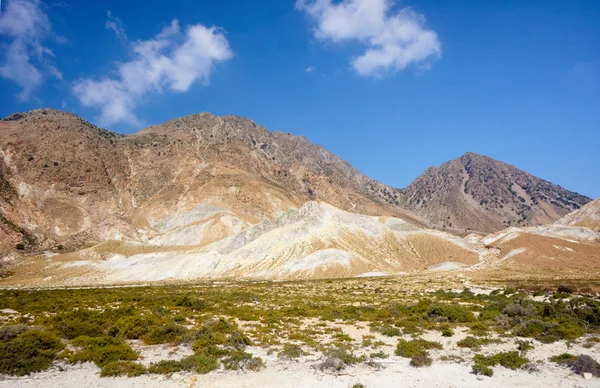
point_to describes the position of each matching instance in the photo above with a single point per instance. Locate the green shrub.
(479, 329)
(564, 358)
(291, 351)
(567, 331)
(167, 333)
(200, 363)
(472, 342)
(122, 368)
(102, 350)
(238, 340)
(481, 369)
(241, 360)
(165, 367)
(27, 352)
(192, 303)
(512, 360)
(379, 354)
(390, 331)
(135, 327)
(524, 346)
(531, 328)
(79, 323)
(236, 360)
(420, 359)
(451, 313)
(410, 348)
(447, 332)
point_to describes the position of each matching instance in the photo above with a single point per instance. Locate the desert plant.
(165, 367)
(122, 368)
(102, 350)
(30, 351)
(585, 364)
(199, 363)
(410, 348)
(420, 359)
(291, 351)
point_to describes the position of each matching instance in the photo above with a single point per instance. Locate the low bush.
(390, 331)
(122, 368)
(241, 360)
(420, 359)
(524, 346)
(472, 342)
(9, 332)
(338, 359)
(379, 354)
(200, 363)
(585, 364)
(564, 358)
(102, 350)
(512, 360)
(167, 333)
(580, 365)
(291, 351)
(410, 348)
(165, 367)
(481, 369)
(447, 332)
(450, 313)
(27, 352)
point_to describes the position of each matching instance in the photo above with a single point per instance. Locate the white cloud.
(25, 58)
(116, 25)
(394, 39)
(173, 60)
(310, 69)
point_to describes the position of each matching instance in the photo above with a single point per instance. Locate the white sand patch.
(513, 253)
(445, 266)
(567, 249)
(322, 258)
(80, 263)
(372, 274)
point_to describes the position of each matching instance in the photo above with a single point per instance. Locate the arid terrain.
(210, 252)
(207, 197)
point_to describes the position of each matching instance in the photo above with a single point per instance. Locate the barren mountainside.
(67, 183)
(482, 194)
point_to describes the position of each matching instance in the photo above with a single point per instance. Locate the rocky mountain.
(204, 196)
(478, 193)
(66, 184)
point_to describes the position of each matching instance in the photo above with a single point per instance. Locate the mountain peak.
(477, 192)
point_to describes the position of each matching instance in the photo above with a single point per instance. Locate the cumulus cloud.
(393, 39)
(24, 58)
(173, 60)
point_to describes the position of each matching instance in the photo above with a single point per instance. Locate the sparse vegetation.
(219, 323)
(122, 368)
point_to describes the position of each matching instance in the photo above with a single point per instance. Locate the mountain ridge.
(74, 184)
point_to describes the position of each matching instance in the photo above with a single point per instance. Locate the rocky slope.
(65, 183)
(206, 196)
(481, 194)
(315, 241)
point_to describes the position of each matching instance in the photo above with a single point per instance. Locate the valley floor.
(397, 373)
(369, 332)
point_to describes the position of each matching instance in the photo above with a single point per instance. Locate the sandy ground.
(394, 371)
(397, 373)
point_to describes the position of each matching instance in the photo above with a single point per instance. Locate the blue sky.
(392, 87)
